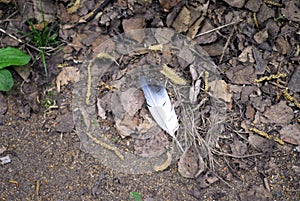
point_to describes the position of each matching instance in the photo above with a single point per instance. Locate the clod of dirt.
(282, 45)
(238, 148)
(265, 13)
(253, 5)
(207, 179)
(256, 193)
(65, 122)
(294, 83)
(3, 104)
(291, 11)
(236, 3)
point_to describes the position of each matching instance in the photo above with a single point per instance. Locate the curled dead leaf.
(68, 74)
(191, 164)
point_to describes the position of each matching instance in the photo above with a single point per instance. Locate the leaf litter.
(277, 50)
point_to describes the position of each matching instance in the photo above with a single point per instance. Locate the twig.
(218, 28)
(225, 46)
(20, 41)
(235, 156)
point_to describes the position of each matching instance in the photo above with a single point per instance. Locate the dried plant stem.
(20, 41)
(234, 156)
(216, 29)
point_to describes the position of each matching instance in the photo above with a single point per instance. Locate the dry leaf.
(207, 179)
(241, 74)
(101, 111)
(246, 55)
(23, 71)
(170, 73)
(207, 38)
(193, 30)
(194, 91)
(291, 134)
(168, 4)
(133, 28)
(68, 74)
(238, 148)
(152, 147)
(5, 1)
(132, 101)
(158, 47)
(279, 113)
(181, 23)
(220, 90)
(75, 7)
(191, 164)
(127, 126)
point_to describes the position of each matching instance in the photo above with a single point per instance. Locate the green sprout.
(136, 196)
(46, 37)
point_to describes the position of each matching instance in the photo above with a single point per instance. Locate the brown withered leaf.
(291, 134)
(132, 101)
(191, 164)
(282, 45)
(130, 26)
(279, 113)
(241, 74)
(207, 38)
(152, 147)
(207, 179)
(238, 148)
(261, 36)
(253, 5)
(265, 13)
(68, 74)
(246, 55)
(127, 126)
(168, 4)
(182, 21)
(220, 90)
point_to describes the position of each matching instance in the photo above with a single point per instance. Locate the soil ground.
(261, 38)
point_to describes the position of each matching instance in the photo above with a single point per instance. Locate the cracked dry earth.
(255, 46)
